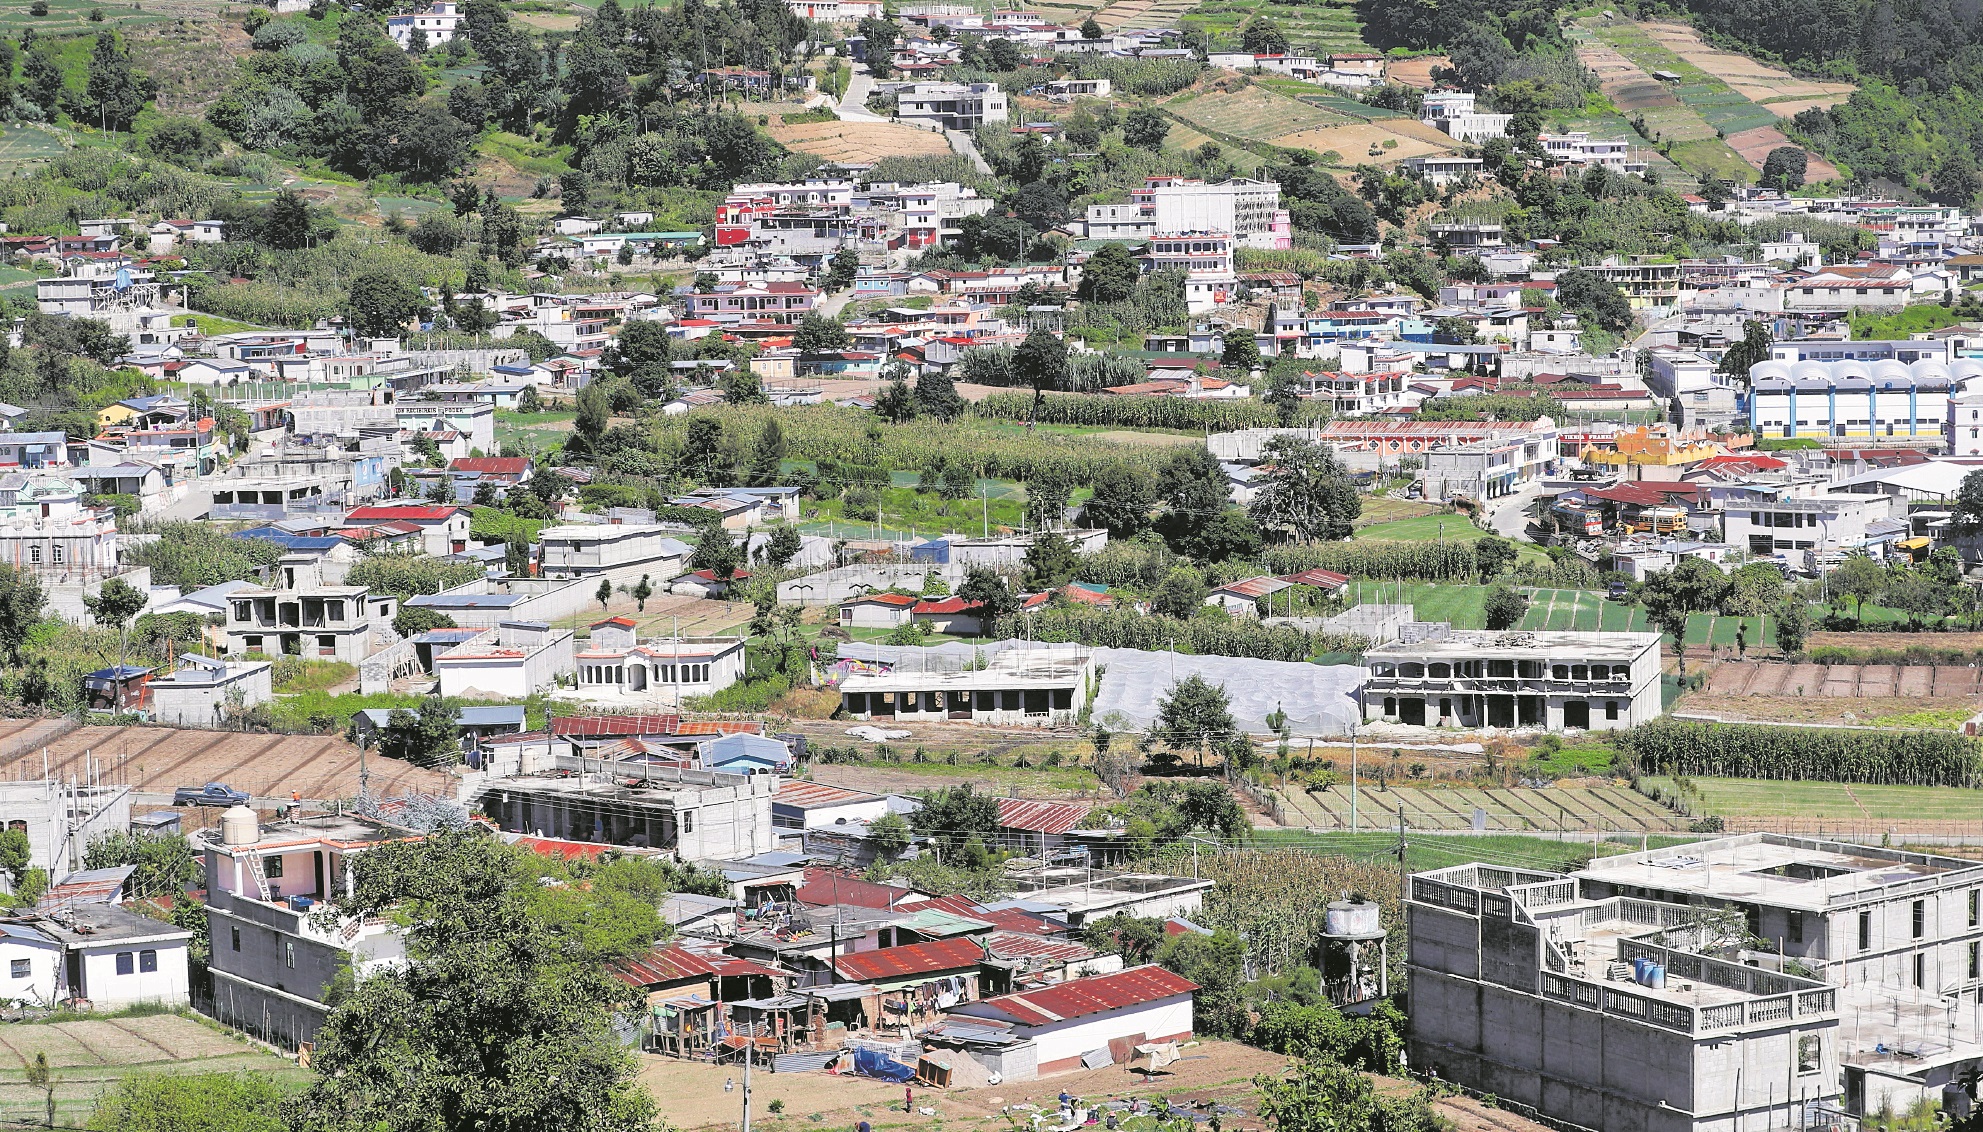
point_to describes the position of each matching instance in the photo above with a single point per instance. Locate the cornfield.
(1732, 750)
(1179, 413)
(1444, 561)
(1127, 629)
(1277, 899)
(992, 365)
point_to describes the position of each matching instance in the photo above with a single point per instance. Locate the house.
(32, 962)
(911, 966)
(1447, 677)
(202, 691)
(300, 615)
(877, 610)
(616, 551)
(1244, 597)
(1081, 1021)
(114, 958)
(745, 754)
(1035, 828)
(511, 660)
(613, 666)
(704, 583)
(443, 528)
(953, 615)
(433, 24)
(1017, 687)
(506, 470)
(700, 815)
(800, 804)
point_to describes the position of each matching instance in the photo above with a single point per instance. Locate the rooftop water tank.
(238, 826)
(1352, 919)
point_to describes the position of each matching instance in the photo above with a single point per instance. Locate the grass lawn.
(907, 512)
(91, 1055)
(1755, 797)
(1428, 528)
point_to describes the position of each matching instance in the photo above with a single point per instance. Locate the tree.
(412, 620)
(888, 835)
(783, 546)
(1861, 579)
(1594, 299)
(1264, 37)
(1050, 562)
(604, 594)
(1968, 510)
(1121, 501)
(642, 354)
(818, 334)
(1744, 355)
(1316, 1095)
(1238, 350)
(1505, 607)
(936, 396)
(896, 403)
(1145, 128)
(842, 269)
(642, 590)
(768, 455)
(985, 588)
(425, 738)
(1109, 276)
(41, 1076)
(1180, 595)
(1194, 715)
(1090, 29)
(594, 410)
(953, 816)
(115, 603)
(379, 305)
(1041, 362)
(1307, 496)
(502, 1015)
(1792, 624)
(741, 386)
(114, 93)
(1492, 555)
(190, 1102)
(165, 862)
(1283, 395)
(1692, 586)
(717, 553)
(1784, 168)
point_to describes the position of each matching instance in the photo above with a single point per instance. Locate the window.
(1611, 710)
(1865, 931)
(688, 822)
(272, 867)
(34, 555)
(1975, 959)
(236, 937)
(1796, 927)
(1920, 968)
(1975, 894)
(289, 954)
(1920, 918)
(57, 548)
(1810, 1053)
(147, 960)
(126, 963)
(20, 968)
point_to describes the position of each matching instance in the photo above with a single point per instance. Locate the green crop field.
(1830, 801)
(90, 1056)
(1255, 113)
(1564, 808)
(1584, 611)
(1447, 850)
(1324, 28)
(24, 145)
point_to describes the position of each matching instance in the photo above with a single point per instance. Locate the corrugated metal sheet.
(914, 959)
(797, 792)
(826, 887)
(1078, 998)
(1040, 817)
(1017, 945)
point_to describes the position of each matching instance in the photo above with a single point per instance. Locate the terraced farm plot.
(1142, 13)
(858, 141)
(1254, 113)
(1873, 681)
(1755, 145)
(1583, 611)
(1779, 90)
(1326, 99)
(1624, 82)
(1587, 809)
(1355, 141)
(25, 145)
(90, 1056)
(1415, 73)
(1323, 28)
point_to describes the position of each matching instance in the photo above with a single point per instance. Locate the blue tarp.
(871, 1063)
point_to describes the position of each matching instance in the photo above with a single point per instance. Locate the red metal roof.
(1319, 578)
(557, 847)
(826, 887)
(624, 622)
(411, 512)
(1078, 998)
(1644, 493)
(1020, 945)
(1040, 817)
(1004, 919)
(945, 605)
(897, 600)
(492, 465)
(615, 724)
(797, 792)
(675, 963)
(910, 959)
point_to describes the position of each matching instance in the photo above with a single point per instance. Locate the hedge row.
(1127, 629)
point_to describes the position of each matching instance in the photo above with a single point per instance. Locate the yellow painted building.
(1654, 452)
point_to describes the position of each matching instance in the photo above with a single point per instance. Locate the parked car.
(212, 794)
(1620, 591)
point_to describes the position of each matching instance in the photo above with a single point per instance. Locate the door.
(1577, 714)
(75, 975)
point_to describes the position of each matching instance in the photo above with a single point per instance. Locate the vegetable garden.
(1732, 750)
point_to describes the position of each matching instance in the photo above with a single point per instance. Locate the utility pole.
(1352, 775)
(750, 1054)
(1403, 880)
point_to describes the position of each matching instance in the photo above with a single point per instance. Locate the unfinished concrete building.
(1743, 984)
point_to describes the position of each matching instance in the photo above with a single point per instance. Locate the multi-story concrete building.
(273, 958)
(1206, 258)
(299, 615)
(1018, 687)
(612, 550)
(45, 528)
(953, 106)
(435, 22)
(700, 815)
(1751, 982)
(1249, 211)
(1453, 113)
(511, 660)
(1437, 676)
(1774, 518)
(615, 667)
(1890, 400)
(476, 423)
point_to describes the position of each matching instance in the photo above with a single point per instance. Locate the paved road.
(854, 104)
(1510, 516)
(961, 142)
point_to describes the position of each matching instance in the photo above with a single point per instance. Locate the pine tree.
(115, 92)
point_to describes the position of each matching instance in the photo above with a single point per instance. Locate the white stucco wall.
(106, 988)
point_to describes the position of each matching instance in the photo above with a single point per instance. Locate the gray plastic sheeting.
(1319, 699)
